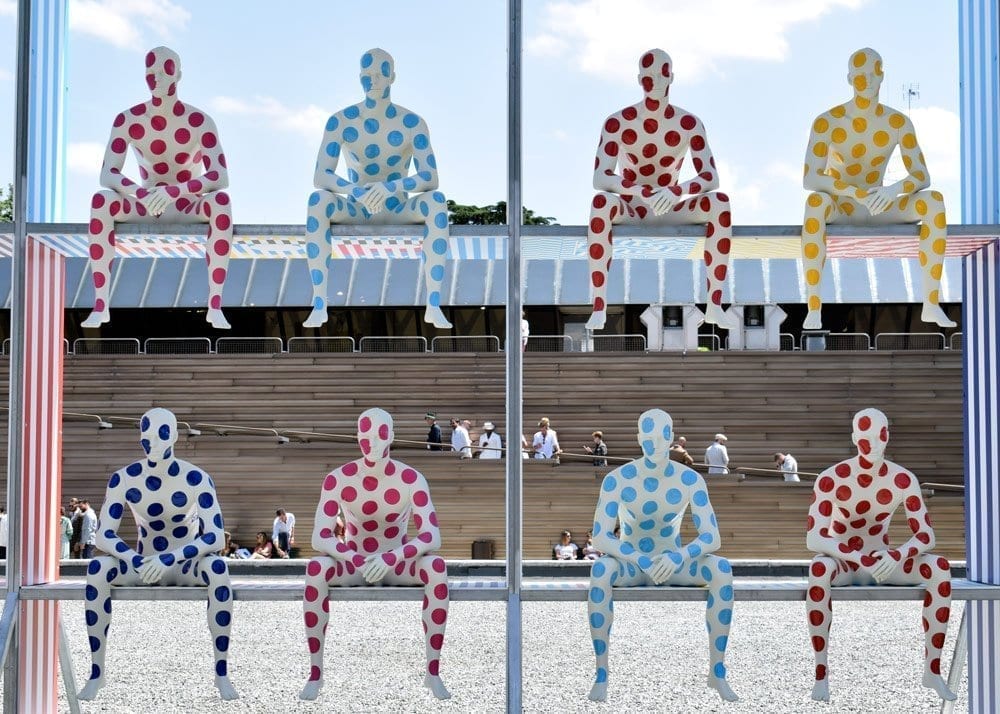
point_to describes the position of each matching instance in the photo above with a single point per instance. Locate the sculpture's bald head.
(871, 433)
(163, 72)
(656, 71)
(656, 433)
(158, 429)
(375, 434)
(864, 72)
(377, 72)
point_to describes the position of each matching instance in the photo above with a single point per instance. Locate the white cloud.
(939, 132)
(6, 75)
(85, 157)
(123, 23)
(604, 37)
(308, 121)
(8, 8)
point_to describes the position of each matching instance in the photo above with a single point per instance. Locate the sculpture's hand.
(151, 570)
(374, 569)
(375, 198)
(157, 201)
(662, 569)
(885, 567)
(661, 201)
(879, 199)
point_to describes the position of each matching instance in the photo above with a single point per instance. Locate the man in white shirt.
(788, 465)
(3, 534)
(283, 532)
(460, 439)
(88, 531)
(490, 442)
(545, 443)
(717, 457)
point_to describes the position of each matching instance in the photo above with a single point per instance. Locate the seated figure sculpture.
(649, 497)
(849, 148)
(375, 495)
(378, 140)
(853, 504)
(649, 141)
(183, 176)
(180, 526)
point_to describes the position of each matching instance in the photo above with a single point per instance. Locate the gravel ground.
(658, 659)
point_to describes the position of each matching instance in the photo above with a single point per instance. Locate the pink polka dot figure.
(648, 142)
(182, 176)
(375, 495)
(853, 503)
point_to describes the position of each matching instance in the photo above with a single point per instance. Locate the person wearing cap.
(490, 443)
(717, 457)
(788, 465)
(434, 433)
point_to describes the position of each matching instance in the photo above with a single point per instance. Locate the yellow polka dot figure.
(849, 147)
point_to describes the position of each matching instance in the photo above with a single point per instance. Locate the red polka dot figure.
(637, 173)
(182, 179)
(376, 497)
(853, 503)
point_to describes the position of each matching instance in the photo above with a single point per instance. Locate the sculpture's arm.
(325, 177)
(425, 519)
(919, 521)
(325, 523)
(818, 537)
(425, 174)
(917, 177)
(114, 159)
(212, 535)
(703, 515)
(110, 520)
(815, 176)
(216, 175)
(701, 155)
(604, 520)
(605, 178)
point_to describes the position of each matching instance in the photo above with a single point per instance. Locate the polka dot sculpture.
(375, 495)
(845, 166)
(182, 179)
(853, 504)
(648, 498)
(391, 178)
(637, 172)
(175, 507)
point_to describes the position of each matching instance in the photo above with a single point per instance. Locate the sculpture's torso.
(165, 505)
(376, 503)
(652, 504)
(378, 143)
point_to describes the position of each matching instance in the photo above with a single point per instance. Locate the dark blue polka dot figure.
(391, 179)
(649, 497)
(158, 490)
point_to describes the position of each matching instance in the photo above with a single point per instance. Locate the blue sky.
(756, 71)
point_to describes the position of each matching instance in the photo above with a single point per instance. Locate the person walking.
(788, 465)
(717, 457)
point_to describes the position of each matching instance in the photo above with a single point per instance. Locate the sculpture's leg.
(604, 209)
(823, 574)
(713, 208)
(216, 208)
(101, 574)
(434, 575)
(604, 574)
(323, 206)
(820, 208)
(430, 209)
(105, 208)
(321, 574)
(214, 573)
(928, 208)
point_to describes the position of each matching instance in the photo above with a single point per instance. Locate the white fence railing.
(619, 343)
(909, 341)
(844, 341)
(249, 345)
(321, 344)
(550, 343)
(472, 343)
(106, 346)
(393, 344)
(177, 346)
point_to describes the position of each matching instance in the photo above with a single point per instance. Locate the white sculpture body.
(376, 496)
(853, 504)
(391, 178)
(182, 173)
(649, 497)
(637, 172)
(181, 531)
(849, 147)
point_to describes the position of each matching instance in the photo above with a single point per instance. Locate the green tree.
(492, 215)
(7, 204)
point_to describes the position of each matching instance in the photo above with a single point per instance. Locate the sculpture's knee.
(603, 573)
(216, 568)
(102, 203)
(319, 571)
(433, 570)
(821, 573)
(222, 201)
(818, 202)
(602, 204)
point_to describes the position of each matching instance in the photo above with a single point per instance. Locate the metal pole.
(514, 377)
(15, 434)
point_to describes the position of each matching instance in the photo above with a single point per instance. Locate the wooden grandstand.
(297, 412)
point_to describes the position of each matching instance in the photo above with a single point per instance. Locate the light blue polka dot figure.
(650, 552)
(158, 489)
(391, 179)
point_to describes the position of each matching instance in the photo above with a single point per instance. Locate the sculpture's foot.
(434, 683)
(935, 682)
(934, 313)
(311, 690)
(597, 320)
(722, 687)
(96, 319)
(217, 320)
(317, 318)
(599, 692)
(814, 321)
(434, 316)
(717, 316)
(226, 690)
(821, 690)
(90, 689)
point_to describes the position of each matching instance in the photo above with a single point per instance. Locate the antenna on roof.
(911, 92)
